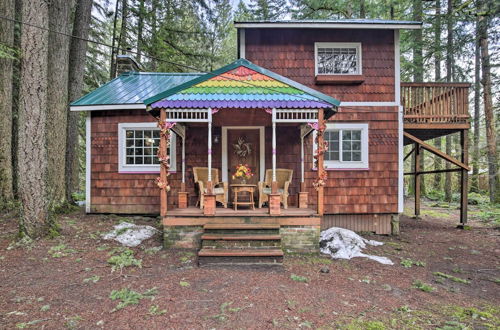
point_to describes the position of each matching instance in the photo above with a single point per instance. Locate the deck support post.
(416, 179)
(209, 197)
(163, 169)
(320, 162)
(274, 197)
(464, 176)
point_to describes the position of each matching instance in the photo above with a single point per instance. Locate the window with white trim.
(138, 145)
(347, 146)
(332, 58)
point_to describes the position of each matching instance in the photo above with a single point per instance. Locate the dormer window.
(338, 58)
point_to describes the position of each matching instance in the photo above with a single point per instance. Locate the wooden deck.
(435, 109)
(193, 216)
(229, 212)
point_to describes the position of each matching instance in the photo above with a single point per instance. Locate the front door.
(243, 147)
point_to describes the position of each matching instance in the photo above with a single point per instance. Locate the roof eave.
(365, 26)
(103, 107)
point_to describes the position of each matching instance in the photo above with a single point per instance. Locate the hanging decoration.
(242, 148)
(320, 181)
(164, 159)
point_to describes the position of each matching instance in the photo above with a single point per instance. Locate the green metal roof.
(133, 88)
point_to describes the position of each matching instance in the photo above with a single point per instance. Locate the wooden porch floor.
(230, 212)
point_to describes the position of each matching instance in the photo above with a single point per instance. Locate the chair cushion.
(267, 191)
(217, 191)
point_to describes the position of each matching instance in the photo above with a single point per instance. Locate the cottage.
(304, 131)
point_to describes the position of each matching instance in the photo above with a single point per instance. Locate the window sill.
(344, 169)
(339, 79)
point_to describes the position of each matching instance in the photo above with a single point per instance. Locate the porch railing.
(435, 103)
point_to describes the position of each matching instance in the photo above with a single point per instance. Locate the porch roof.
(242, 84)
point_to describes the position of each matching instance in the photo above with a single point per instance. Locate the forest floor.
(442, 277)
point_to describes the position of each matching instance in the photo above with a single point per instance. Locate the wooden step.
(230, 226)
(240, 253)
(250, 237)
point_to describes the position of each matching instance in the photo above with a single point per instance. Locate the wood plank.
(452, 126)
(241, 226)
(435, 151)
(240, 253)
(240, 237)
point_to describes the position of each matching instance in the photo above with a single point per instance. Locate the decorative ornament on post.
(320, 181)
(164, 159)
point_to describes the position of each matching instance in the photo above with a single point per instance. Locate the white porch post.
(209, 147)
(274, 147)
(184, 160)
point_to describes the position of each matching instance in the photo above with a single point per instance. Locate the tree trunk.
(438, 162)
(112, 69)
(493, 177)
(57, 98)
(418, 64)
(123, 30)
(362, 9)
(140, 28)
(477, 111)
(7, 9)
(32, 152)
(16, 83)
(449, 78)
(418, 73)
(78, 51)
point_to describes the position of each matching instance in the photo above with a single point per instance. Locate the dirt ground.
(67, 282)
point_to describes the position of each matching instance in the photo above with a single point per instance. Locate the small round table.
(243, 188)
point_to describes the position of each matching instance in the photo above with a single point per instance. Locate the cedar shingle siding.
(290, 52)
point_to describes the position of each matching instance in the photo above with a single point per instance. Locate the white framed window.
(334, 58)
(138, 145)
(347, 146)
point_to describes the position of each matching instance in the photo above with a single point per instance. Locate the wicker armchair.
(283, 177)
(220, 188)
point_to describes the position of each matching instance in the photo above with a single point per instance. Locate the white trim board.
(262, 151)
(136, 106)
(328, 26)
(88, 161)
(397, 69)
(400, 162)
(368, 104)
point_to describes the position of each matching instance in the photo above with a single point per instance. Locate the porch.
(238, 115)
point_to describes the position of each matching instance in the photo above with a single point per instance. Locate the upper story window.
(334, 58)
(138, 145)
(347, 146)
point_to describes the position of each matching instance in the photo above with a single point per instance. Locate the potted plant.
(242, 173)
